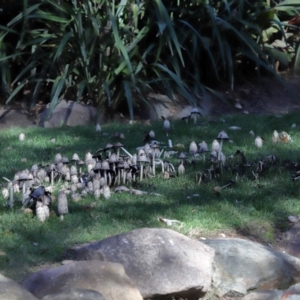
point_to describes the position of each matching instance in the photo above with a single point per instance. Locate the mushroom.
(106, 192)
(258, 142)
(88, 157)
(195, 113)
(193, 149)
(154, 147)
(167, 125)
(42, 211)
(221, 136)
(97, 168)
(117, 146)
(75, 158)
(203, 148)
(62, 204)
(275, 136)
(108, 149)
(182, 156)
(142, 159)
(112, 159)
(80, 163)
(98, 128)
(57, 158)
(181, 169)
(23, 178)
(215, 146)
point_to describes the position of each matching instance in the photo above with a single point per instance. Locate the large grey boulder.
(75, 294)
(106, 278)
(160, 262)
(13, 118)
(10, 290)
(291, 240)
(68, 113)
(242, 265)
(175, 109)
(264, 295)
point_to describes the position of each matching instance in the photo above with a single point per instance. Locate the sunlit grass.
(254, 208)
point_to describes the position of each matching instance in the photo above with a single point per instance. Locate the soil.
(260, 96)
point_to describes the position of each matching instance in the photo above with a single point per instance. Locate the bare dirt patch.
(260, 96)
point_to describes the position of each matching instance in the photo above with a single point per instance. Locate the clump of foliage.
(107, 53)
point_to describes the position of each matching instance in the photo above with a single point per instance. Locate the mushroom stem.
(153, 163)
(141, 172)
(105, 176)
(126, 152)
(220, 150)
(203, 157)
(23, 192)
(11, 197)
(123, 176)
(195, 118)
(52, 177)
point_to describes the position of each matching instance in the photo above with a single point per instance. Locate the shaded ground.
(261, 96)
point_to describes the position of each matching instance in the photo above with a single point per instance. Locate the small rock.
(293, 219)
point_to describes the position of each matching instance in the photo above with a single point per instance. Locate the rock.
(293, 292)
(264, 295)
(75, 294)
(68, 113)
(160, 262)
(291, 240)
(106, 278)
(242, 265)
(10, 290)
(162, 105)
(13, 118)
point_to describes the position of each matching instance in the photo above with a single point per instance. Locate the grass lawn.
(255, 208)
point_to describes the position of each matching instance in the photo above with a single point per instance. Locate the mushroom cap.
(113, 158)
(24, 176)
(182, 155)
(222, 136)
(203, 147)
(75, 157)
(154, 145)
(142, 158)
(64, 160)
(73, 170)
(151, 134)
(34, 168)
(118, 145)
(98, 128)
(167, 125)
(196, 110)
(97, 156)
(80, 162)
(105, 165)
(98, 166)
(215, 145)
(141, 152)
(88, 155)
(57, 158)
(193, 149)
(108, 146)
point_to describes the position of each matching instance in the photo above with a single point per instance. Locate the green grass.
(255, 208)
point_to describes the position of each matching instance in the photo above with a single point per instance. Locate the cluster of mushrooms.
(114, 166)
